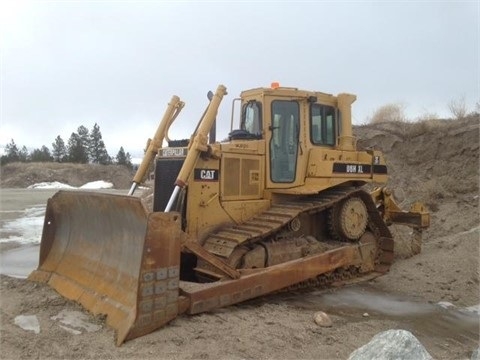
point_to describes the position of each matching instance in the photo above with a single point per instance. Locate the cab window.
(322, 125)
(252, 118)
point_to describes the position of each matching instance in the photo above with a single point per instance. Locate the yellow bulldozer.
(280, 204)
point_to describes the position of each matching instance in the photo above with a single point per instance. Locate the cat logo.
(205, 175)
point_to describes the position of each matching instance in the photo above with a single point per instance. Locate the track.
(281, 217)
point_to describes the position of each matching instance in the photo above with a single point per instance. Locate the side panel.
(349, 165)
(228, 189)
(204, 212)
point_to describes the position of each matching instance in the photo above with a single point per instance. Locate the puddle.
(369, 301)
(435, 320)
(25, 227)
(19, 262)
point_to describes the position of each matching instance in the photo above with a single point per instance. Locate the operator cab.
(291, 122)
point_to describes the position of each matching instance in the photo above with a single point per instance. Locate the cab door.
(284, 142)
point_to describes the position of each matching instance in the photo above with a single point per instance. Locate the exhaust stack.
(346, 141)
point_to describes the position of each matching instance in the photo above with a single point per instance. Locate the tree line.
(83, 146)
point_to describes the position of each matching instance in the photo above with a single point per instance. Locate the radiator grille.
(166, 172)
(241, 177)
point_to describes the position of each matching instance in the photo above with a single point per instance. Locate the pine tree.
(76, 151)
(12, 154)
(23, 154)
(128, 161)
(123, 158)
(84, 135)
(59, 150)
(98, 152)
(41, 155)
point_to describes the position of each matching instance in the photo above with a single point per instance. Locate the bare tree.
(458, 107)
(388, 113)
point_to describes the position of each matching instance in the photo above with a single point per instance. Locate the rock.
(322, 319)
(28, 322)
(476, 354)
(392, 344)
(366, 314)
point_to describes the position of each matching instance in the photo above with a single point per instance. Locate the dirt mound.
(430, 160)
(434, 161)
(22, 175)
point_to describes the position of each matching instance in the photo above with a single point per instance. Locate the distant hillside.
(22, 175)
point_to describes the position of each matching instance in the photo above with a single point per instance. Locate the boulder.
(392, 345)
(476, 354)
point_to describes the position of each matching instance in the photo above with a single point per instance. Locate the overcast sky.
(118, 63)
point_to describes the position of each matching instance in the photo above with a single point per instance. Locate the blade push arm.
(199, 143)
(171, 113)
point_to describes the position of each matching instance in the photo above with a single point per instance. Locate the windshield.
(252, 118)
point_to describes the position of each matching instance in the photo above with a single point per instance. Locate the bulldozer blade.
(114, 258)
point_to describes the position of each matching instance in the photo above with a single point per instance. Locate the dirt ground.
(436, 162)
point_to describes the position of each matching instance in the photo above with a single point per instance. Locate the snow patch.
(70, 330)
(26, 229)
(100, 184)
(475, 309)
(50, 185)
(75, 321)
(446, 305)
(28, 322)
